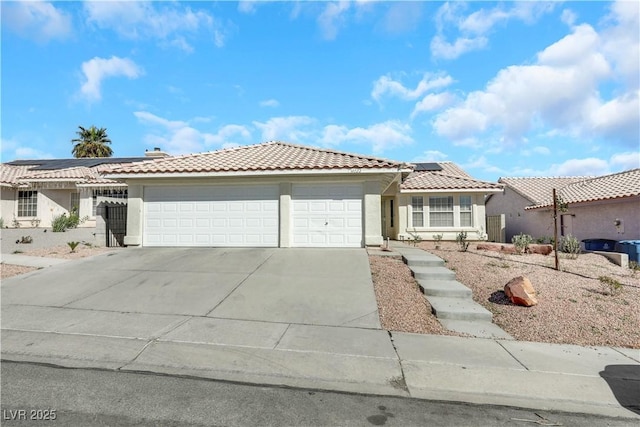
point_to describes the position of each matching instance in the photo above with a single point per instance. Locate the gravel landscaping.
(574, 306)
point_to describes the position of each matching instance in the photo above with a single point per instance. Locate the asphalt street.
(89, 397)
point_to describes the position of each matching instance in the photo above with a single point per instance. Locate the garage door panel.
(211, 216)
(327, 215)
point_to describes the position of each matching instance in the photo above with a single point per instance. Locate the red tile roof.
(539, 189)
(451, 177)
(607, 187)
(9, 174)
(268, 156)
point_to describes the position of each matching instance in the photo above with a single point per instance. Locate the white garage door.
(211, 216)
(327, 215)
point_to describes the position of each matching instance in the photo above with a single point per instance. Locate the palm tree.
(92, 142)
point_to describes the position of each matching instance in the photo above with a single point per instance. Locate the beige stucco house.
(277, 194)
(33, 192)
(604, 207)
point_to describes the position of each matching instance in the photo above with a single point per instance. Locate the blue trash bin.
(631, 248)
(606, 245)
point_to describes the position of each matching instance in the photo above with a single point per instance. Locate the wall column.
(285, 215)
(372, 215)
(134, 216)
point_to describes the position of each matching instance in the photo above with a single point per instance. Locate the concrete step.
(445, 288)
(477, 328)
(432, 273)
(458, 309)
(422, 260)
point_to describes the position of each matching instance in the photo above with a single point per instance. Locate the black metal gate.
(116, 225)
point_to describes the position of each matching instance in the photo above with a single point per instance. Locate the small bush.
(63, 222)
(521, 242)
(437, 238)
(611, 286)
(59, 223)
(570, 245)
(415, 237)
(461, 240)
(73, 245)
(1, 222)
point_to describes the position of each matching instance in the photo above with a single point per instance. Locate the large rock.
(520, 291)
(540, 249)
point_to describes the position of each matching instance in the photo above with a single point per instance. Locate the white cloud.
(14, 149)
(97, 69)
(402, 16)
(269, 103)
(473, 29)
(559, 94)
(625, 161)
(580, 167)
(171, 23)
(386, 85)
(537, 150)
(380, 136)
(32, 153)
(333, 18)
(37, 20)
(431, 102)
(430, 156)
(247, 6)
(179, 137)
(290, 129)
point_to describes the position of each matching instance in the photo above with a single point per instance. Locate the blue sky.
(502, 89)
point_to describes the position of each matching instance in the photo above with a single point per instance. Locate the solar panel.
(427, 167)
(55, 164)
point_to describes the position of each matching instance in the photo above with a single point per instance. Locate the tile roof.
(539, 189)
(451, 177)
(9, 174)
(89, 162)
(614, 186)
(268, 156)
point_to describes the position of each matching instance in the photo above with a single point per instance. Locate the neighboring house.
(33, 192)
(604, 207)
(283, 195)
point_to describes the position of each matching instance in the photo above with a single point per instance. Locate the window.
(417, 207)
(441, 211)
(75, 203)
(114, 194)
(466, 211)
(27, 203)
(391, 212)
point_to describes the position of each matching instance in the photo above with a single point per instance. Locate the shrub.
(62, 222)
(59, 223)
(437, 239)
(461, 240)
(73, 245)
(1, 222)
(610, 285)
(570, 245)
(521, 242)
(416, 237)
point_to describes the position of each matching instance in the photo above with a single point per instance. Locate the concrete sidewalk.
(30, 261)
(178, 312)
(596, 380)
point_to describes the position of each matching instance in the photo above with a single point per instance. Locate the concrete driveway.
(328, 287)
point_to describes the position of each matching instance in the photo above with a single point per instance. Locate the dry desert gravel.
(574, 307)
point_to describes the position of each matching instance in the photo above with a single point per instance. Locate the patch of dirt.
(64, 251)
(10, 270)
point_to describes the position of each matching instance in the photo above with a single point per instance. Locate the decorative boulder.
(521, 292)
(540, 249)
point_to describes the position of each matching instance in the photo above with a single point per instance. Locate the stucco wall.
(475, 232)
(371, 184)
(7, 205)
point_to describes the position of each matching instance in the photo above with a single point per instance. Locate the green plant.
(415, 237)
(59, 223)
(15, 223)
(461, 240)
(634, 266)
(610, 285)
(73, 245)
(437, 238)
(35, 222)
(521, 242)
(17, 251)
(570, 245)
(1, 222)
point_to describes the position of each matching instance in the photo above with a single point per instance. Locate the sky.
(502, 89)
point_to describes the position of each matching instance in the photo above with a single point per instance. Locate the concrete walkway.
(30, 261)
(450, 300)
(57, 325)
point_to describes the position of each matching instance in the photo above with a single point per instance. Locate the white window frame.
(466, 210)
(439, 210)
(417, 211)
(27, 203)
(115, 193)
